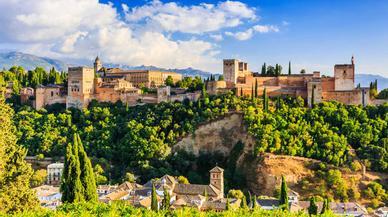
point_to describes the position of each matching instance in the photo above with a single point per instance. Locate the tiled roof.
(117, 195)
(217, 169)
(129, 186)
(338, 208)
(192, 189)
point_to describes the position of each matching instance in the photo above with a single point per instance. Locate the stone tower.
(80, 88)
(217, 179)
(233, 69)
(344, 76)
(97, 65)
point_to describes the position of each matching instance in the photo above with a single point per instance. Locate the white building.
(54, 173)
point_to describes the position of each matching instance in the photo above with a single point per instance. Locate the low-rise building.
(54, 173)
(48, 196)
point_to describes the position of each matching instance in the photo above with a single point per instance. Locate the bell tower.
(217, 179)
(97, 65)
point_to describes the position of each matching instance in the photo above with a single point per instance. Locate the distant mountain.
(185, 72)
(29, 62)
(365, 79)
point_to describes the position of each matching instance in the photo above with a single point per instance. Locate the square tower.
(344, 76)
(217, 179)
(80, 87)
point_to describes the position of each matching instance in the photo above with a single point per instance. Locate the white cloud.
(245, 35)
(196, 19)
(82, 29)
(217, 37)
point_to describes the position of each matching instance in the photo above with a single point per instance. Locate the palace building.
(321, 88)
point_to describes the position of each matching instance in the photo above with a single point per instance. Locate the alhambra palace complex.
(113, 84)
(339, 88)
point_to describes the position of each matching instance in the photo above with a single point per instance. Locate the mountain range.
(29, 62)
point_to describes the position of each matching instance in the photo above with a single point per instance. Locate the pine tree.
(289, 68)
(154, 199)
(283, 200)
(325, 206)
(15, 174)
(313, 208)
(87, 175)
(166, 200)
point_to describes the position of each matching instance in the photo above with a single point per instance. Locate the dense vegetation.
(120, 209)
(15, 173)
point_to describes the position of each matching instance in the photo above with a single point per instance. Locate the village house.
(48, 196)
(54, 174)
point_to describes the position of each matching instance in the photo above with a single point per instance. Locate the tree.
(303, 71)
(169, 81)
(15, 174)
(264, 69)
(256, 88)
(325, 206)
(254, 202)
(205, 194)
(265, 100)
(237, 194)
(283, 200)
(99, 175)
(313, 208)
(252, 92)
(313, 95)
(244, 204)
(71, 186)
(221, 78)
(130, 177)
(154, 199)
(183, 180)
(39, 177)
(166, 200)
(227, 206)
(289, 68)
(87, 176)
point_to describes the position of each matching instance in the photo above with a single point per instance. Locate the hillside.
(29, 61)
(190, 72)
(365, 79)
(263, 174)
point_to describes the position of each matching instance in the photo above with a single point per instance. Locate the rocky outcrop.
(217, 136)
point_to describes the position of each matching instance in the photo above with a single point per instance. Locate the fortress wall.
(353, 97)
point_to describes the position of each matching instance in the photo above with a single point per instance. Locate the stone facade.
(339, 88)
(54, 173)
(48, 95)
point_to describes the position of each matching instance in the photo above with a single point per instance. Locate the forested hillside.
(138, 139)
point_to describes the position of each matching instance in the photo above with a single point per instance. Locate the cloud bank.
(135, 36)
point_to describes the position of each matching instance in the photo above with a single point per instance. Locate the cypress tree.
(265, 100)
(313, 208)
(264, 69)
(254, 204)
(71, 186)
(154, 199)
(256, 88)
(243, 204)
(289, 68)
(227, 206)
(205, 194)
(166, 200)
(15, 174)
(283, 200)
(312, 96)
(278, 104)
(252, 94)
(241, 92)
(325, 206)
(87, 175)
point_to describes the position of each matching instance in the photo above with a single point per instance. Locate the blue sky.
(313, 34)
